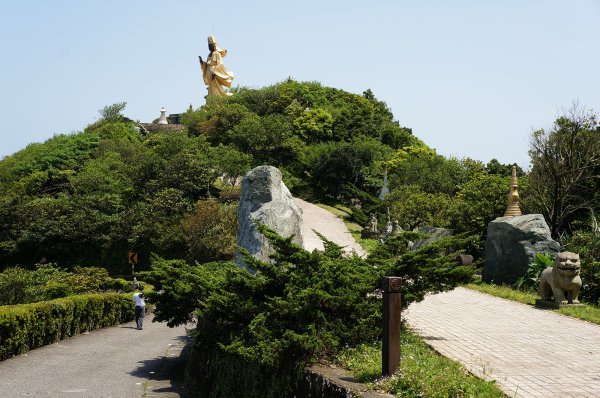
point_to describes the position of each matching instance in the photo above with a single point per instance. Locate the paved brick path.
(528, 351)
(328, 225)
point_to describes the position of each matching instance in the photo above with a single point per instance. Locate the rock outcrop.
(265, 200)
(511, 245)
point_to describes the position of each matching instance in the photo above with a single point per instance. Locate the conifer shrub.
(429, 269)
(272, 319)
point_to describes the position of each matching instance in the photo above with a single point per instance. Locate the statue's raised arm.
(214, 73)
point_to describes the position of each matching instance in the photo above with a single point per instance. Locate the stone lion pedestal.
(561, 283)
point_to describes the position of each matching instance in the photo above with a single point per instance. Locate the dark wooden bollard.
(391, 324)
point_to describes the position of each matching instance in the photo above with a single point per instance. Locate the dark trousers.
(139, 316)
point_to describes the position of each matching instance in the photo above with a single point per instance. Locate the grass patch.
(504, 292)
(338, 210)
(586, 312)
(368, 245)
(423, 372)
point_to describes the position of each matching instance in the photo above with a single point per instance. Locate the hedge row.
(27, 326)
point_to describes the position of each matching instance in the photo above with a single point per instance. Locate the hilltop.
(88, 197)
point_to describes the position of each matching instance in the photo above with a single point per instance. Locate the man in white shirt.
(140, 307)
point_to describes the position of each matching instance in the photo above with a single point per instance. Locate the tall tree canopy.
(565, 168)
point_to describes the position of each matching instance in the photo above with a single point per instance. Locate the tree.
(414, 208)
(210, 232)
(566, 168)
(230, 163)
(315, 125)
(420, 165)
(332, 165)
(112, 113)
(495, 167)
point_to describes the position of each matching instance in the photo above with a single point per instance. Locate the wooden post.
(391, 324)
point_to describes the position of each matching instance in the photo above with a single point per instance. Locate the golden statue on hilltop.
(513, 208)
(214, 73)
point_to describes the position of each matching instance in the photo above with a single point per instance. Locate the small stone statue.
(396, 230)
(214, 73)
(388, 227)
(371, 230)
(373, 222)
(562, 280)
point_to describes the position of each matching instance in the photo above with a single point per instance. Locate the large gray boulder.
(265, 199)
(511, 245)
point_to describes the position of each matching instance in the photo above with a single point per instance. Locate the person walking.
(140, 307)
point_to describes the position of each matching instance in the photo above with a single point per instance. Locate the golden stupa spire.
(513, 208)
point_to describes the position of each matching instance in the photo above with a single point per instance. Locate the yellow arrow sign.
(133, 258)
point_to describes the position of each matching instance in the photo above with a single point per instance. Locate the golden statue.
(214, 73)
(513, 208)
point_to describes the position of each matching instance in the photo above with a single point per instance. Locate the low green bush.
(24, 327)
(117, 285)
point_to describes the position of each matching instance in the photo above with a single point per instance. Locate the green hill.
(90, 197)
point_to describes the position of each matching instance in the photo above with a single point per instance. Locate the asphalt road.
(113, 362)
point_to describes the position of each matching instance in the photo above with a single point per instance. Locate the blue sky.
(471, 78)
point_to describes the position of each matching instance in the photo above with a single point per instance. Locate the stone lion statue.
(562, 280)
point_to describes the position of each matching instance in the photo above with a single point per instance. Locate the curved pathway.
(328, 225)
(119, 362)
(528, 351)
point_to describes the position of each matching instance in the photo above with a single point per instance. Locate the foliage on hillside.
(48, 282)
(90, 197)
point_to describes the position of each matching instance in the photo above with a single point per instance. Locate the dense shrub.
(414, 208)
(19, 286)
(179, 285)
(295, 309)
(210, 232)
(587, 244)
(330, 166)
(28, 326)
(47, 282)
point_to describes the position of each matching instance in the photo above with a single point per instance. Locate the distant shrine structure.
(164, 123)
